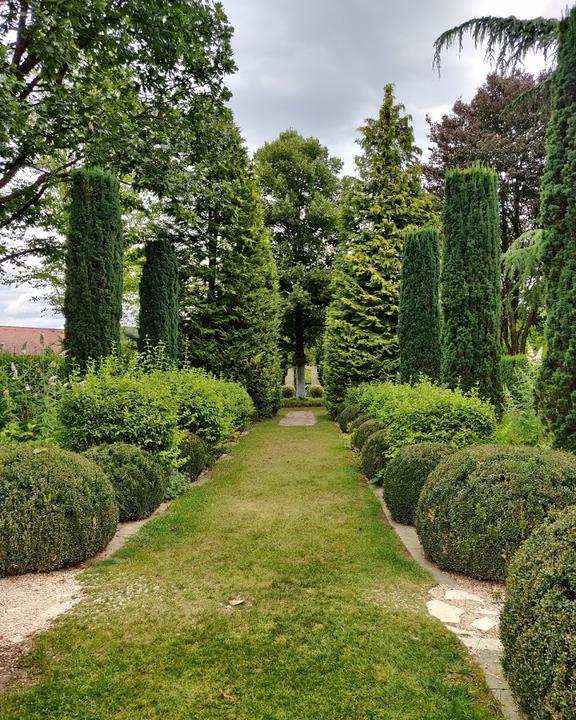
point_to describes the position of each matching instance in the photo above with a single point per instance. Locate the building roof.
(30, 341)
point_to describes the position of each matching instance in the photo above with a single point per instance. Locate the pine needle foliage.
(419, 316)
(158, 322)
(507, 41)
(470, 283)
(557, 381)
(93, 278)
(360, 343)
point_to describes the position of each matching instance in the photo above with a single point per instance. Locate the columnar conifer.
(93, 294)
(470, 283)
(557, 383)
(419, 318)
(159, 298)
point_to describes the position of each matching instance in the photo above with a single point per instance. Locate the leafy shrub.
(405, 474)
(288, 391)
(426, 413)
(315, 391)
(138, 478)
(195, 454)
(539, 621)
(375, 453)
(56, 509)
(480, 504)
(238, 406)
(513, 370)
(364, 431)
(347, 415)
(106, 409)
(176, 484)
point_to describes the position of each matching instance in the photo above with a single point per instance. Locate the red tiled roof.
(30, 341)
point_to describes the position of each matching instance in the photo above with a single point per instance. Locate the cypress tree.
(360, 341)
(93, 278)
(419, 317)
(556, 389)
(159, 298)
(470, 283)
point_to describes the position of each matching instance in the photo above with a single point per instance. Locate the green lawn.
(333, 627)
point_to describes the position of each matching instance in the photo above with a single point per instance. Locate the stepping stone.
(444, 611)
(298, 418)
(485, 624)
(462, 595)
(476, 643)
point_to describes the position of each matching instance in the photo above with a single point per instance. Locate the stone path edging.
(468, 608)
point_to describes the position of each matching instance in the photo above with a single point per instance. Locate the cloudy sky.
(320, 66)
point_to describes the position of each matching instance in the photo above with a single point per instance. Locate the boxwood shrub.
(538, 624)
(316, 391)
(105, 409)
(357, 422)
(56, 509)
(480, 504)
(404, 476)
(364, 431)
(347, 415)
(138, 478)
(375, 453)
(194, 452)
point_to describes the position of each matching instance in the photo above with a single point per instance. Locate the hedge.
(315, 391)
(195, 454)
(375, 453)
(538, 624)
(138, 478)
(480, 504)
(56, 509)
(364, 431)
(359, 420)
(404, 476)
(106, 409)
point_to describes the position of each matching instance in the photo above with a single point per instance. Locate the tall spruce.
(470, 283)
(158, 322)
(230, 304)
(360, 341)
(557, 382)
(419, 316)
(93, 278)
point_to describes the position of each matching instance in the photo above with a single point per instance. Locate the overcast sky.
(320, 66)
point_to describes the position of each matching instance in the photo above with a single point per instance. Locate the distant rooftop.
(30, 341)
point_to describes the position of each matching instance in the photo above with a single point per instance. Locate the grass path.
(333, 626)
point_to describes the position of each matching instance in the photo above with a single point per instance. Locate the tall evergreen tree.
(470, 283)
(158, 323)
(301, 187)
(557, 382)
(419, 316)
(360, 342)
(93, 292)
(230, 306)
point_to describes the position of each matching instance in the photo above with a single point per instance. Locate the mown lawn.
(333, 626)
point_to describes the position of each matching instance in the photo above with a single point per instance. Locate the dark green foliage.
(359, 420)
(364, 431)
(305, 402)
(419, 313)
(360, 342)
(557, 382)
(138, 478)
(56, 509)
(538, 623)
(375, 453)
(470, 296)
(194, 452)
(288, 391)
(94, 249)
(481, 503)
(426, 413)
(405, 474)
(158, 322)
(347, 415)
(112, 409)
(315, 391)
(513, 369)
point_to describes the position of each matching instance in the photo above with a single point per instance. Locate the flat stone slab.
(298, 417)
(462, 595)
(444, 611)
(485, 623)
